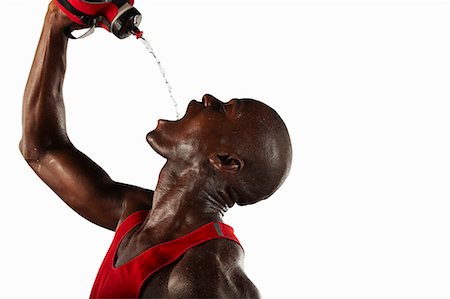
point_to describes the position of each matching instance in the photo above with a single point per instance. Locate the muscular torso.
(211, 270)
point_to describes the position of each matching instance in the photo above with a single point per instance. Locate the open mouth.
(193, 107)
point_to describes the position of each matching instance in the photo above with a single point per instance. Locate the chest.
(136, 267)
(129, 248)
(171, 280)
(162, 282)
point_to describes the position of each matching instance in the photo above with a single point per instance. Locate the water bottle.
(116, 16)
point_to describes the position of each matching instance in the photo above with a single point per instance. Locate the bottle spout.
(136, 32)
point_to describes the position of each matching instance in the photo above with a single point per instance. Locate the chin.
(153, 139)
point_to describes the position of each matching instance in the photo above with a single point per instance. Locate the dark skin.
(211, 153)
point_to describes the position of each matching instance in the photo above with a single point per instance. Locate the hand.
(57, 17)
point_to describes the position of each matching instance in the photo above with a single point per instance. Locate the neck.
(183, 201)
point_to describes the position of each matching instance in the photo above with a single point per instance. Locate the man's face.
(206, 126)
(245, 140)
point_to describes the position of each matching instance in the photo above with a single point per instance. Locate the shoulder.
(212, 270)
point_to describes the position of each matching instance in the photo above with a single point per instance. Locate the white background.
(362, 87)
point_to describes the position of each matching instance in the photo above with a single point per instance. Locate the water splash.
(163, 73)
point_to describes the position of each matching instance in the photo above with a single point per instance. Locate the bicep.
(83, 185)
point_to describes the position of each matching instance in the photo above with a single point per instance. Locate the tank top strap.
(106, 266)
(225, 231)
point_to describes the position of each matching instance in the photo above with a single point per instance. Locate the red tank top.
(126, 280)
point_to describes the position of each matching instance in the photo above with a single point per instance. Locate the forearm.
(43, 115)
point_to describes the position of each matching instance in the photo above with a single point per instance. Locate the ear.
(227, 162)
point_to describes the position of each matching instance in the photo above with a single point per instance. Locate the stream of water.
(163, 73)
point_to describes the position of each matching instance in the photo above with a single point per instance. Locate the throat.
(182, 203)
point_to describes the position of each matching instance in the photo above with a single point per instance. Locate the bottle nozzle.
(136, 32)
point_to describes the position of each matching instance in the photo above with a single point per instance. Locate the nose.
(209, 100)
(233, 102)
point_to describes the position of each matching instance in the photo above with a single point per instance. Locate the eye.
(227, 110)
(217, 107)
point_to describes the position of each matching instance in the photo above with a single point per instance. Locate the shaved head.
(243, 146)
(265, 147)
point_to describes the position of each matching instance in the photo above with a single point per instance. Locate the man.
(170, 242)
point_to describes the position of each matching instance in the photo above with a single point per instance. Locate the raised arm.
(45, 145)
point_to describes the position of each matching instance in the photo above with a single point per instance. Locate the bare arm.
(45, 145)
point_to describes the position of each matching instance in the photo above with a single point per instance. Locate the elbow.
(30, 154)
(21, 149)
